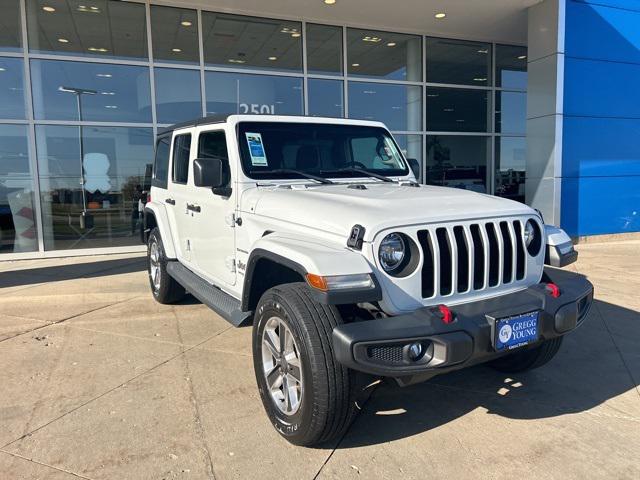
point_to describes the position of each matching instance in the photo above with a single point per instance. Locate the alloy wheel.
(281, 366)
(154, 265)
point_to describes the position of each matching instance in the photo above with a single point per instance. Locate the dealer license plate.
(516, 331)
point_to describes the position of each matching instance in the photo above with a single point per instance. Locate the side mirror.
(211, 173)
(415, 167)
(208, 172)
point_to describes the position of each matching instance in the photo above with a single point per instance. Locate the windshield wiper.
(310, 176)
(361, 171)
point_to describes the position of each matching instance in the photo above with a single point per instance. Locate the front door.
(213, 234)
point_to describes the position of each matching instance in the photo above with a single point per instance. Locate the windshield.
(335, 151)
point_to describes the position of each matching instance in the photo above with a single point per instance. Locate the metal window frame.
(304, 75)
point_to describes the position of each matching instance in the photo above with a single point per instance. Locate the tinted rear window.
(161, 163)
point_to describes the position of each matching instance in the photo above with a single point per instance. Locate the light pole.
(78, 92)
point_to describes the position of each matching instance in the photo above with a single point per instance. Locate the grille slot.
(494, 254)
(478, 257)
(446, 266)
(428, 267)
(520, 258)
(471, 257)
(463, 258)
(507, 256)
(385, 353)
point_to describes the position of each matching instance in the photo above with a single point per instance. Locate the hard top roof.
(222, 118)
(209, 119)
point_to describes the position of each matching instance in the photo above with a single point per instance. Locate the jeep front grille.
(471, 257)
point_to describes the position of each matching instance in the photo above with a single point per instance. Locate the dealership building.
(536, 101)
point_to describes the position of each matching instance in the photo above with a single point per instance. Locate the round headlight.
(392, 252)
(532, 236)
(529, 233)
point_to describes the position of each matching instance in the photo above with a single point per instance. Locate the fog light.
(415, 351)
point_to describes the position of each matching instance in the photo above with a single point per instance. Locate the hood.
(337, 208)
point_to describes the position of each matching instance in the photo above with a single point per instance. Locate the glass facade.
(103, 29)
(510, 121)
(91, 202)
(10, 35)
(384, 55)
(325, 97)
(458, 161)
(457, 110)
(398, 106)
(18, 229)
(324, 49)
(257, 94)
(458, 62)
(247, 42)
(174, 35)
(12, 104)
(86, 87)
(174, 105)
(112, 93)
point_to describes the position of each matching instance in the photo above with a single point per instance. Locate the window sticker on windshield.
(256, 149)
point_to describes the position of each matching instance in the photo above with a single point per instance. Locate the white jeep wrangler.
(316, 231)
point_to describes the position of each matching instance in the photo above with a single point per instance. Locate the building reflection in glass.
(116, 161)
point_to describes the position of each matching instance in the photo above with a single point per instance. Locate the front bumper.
(380, 347)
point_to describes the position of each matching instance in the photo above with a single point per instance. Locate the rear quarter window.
(161, 163)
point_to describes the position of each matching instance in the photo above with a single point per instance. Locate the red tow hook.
(444, 313)
(552, 289)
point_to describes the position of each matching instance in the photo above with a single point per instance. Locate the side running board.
(220, 302)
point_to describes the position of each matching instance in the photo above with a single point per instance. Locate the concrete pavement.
(98, 381)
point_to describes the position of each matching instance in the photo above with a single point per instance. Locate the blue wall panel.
(601, 124)
(628, 4)
(600, 205)
(596, 147)
(594, 31)
(601, 89)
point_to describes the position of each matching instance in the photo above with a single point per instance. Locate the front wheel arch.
(149, 223)
(266, 270)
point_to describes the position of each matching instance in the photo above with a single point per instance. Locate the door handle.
(193, 208)
(170, 201)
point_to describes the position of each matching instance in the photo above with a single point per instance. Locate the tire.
(528, 359)
(165, 288)
(325, 390)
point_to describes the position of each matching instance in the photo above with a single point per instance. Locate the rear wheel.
(165, 288)
(308, 396)
(528, 359)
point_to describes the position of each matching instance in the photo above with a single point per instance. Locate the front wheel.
(308, 396)
(528, 359)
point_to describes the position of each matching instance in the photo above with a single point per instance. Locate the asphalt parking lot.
(98, 381)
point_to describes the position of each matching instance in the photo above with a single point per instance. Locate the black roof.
(219, 118)
(208, 120)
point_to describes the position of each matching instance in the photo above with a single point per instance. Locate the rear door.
(214, 225)
(177, 199)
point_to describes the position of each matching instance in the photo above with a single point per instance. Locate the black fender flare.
(260, 254)
(345, 297)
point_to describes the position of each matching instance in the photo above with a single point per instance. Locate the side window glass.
(161, 163)
(214, 145)
(181, 148)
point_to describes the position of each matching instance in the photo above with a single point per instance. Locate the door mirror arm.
(222, 191)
